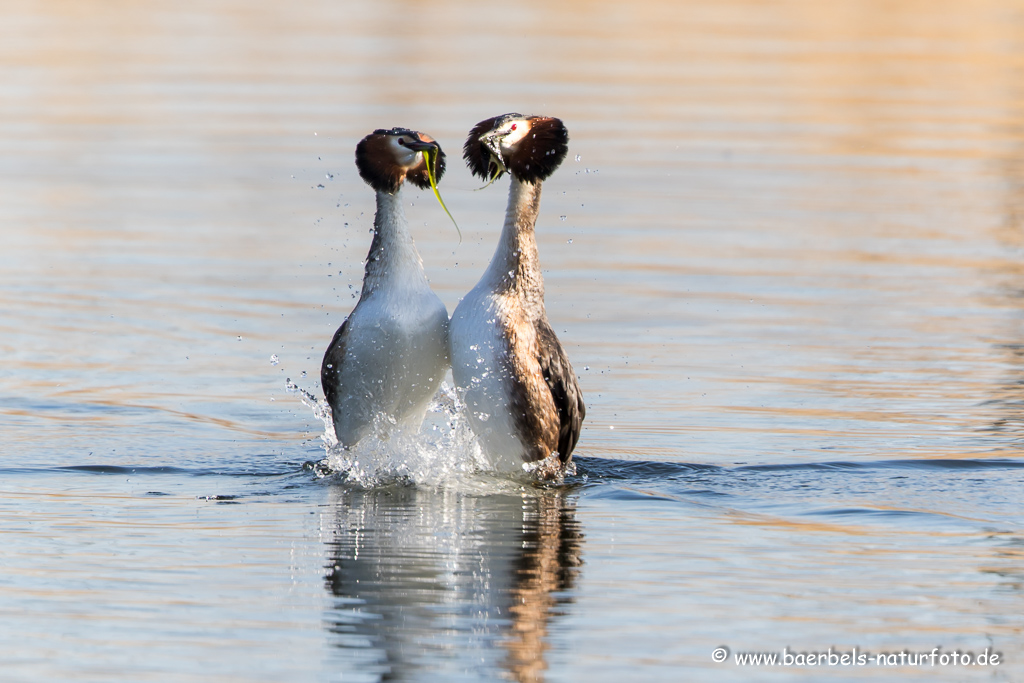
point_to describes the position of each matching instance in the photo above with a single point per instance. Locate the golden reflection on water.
(850, 169)
(403, 561)
(549, 566)
(796, 234)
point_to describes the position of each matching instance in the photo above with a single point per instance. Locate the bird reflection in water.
(426, 582)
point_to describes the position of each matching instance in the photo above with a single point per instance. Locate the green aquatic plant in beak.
(492, 143)
(429, 156)
(497, 172)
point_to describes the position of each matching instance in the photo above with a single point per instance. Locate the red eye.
(513, 127)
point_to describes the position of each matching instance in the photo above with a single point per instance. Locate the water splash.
(443, 452)
(321, 410)
(550, 469)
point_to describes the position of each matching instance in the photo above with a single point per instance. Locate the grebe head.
(528, 147)
(387, 157)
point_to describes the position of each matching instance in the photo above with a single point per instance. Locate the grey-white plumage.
(388, 358)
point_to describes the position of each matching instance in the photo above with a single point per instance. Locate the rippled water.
(784, 256)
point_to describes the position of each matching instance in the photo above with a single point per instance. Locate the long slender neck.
(393, 256)
(515, 266)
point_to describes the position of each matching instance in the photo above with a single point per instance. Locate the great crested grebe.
(521, 394)
(389, 356)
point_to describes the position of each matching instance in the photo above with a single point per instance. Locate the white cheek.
(404, 156)
(513, 138)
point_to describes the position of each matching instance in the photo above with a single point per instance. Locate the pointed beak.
(420, 145)
(492, 141)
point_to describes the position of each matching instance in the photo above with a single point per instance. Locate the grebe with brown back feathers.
(389, 356)
(522, 398)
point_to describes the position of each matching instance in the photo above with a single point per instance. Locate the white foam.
(443, 452)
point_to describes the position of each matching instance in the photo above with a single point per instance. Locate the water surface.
(784, 255)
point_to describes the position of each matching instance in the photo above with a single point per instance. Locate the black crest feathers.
(531, 159)
(379, 167)
(542, 151)
(477, 155)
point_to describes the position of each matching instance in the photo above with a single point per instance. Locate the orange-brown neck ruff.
(378, 167)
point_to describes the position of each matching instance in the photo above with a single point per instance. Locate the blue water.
(784, 256)
(171, 573)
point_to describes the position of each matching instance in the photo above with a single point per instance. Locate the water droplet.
(562, 218)
(578, 157)
(320, 186)
(274, 360)
(303, 373)
(239, 337)
(569, 241)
